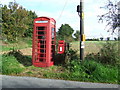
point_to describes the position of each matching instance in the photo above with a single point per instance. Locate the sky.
(64, 12)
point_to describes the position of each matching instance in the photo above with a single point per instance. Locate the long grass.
(10, 65)
(88, 71)
(92, 71)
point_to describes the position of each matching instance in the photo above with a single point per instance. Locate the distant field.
(90, 46)
(21, 44)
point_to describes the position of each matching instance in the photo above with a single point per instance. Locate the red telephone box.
(61, 47)
(44, 42)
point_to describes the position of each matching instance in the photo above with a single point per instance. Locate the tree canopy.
(111, 17)
(17, 21)
(65, 33)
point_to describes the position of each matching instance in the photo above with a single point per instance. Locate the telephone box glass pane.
(41, 32)
(53, 29)
(40, 28)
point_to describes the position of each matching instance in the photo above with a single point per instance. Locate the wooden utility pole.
(80, 10)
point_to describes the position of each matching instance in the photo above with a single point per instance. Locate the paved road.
(31, 82)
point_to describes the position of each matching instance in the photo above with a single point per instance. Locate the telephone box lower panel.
(41, 64)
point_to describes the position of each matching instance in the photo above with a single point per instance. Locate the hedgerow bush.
(108, 55)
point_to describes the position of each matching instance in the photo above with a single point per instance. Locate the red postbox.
(44, 42)
(61, 47)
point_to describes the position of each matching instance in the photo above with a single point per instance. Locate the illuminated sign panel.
(41, 21)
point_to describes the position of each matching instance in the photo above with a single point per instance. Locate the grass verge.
(10, 65)
(93, 71)
(15, 63)
(87, 71)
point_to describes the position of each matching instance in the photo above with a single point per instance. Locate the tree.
(115, 38)
(101, 38)
(17, 21)
(108, 38)
(29, 31)
(111, 17)
(77, 35)
(65, 33)
(14, 21)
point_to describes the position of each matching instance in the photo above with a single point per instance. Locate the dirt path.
(26, 51)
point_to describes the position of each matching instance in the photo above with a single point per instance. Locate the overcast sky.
(64, 12)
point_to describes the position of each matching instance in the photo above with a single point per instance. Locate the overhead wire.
(62, 10)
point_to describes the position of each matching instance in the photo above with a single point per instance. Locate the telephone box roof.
(48, 18)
